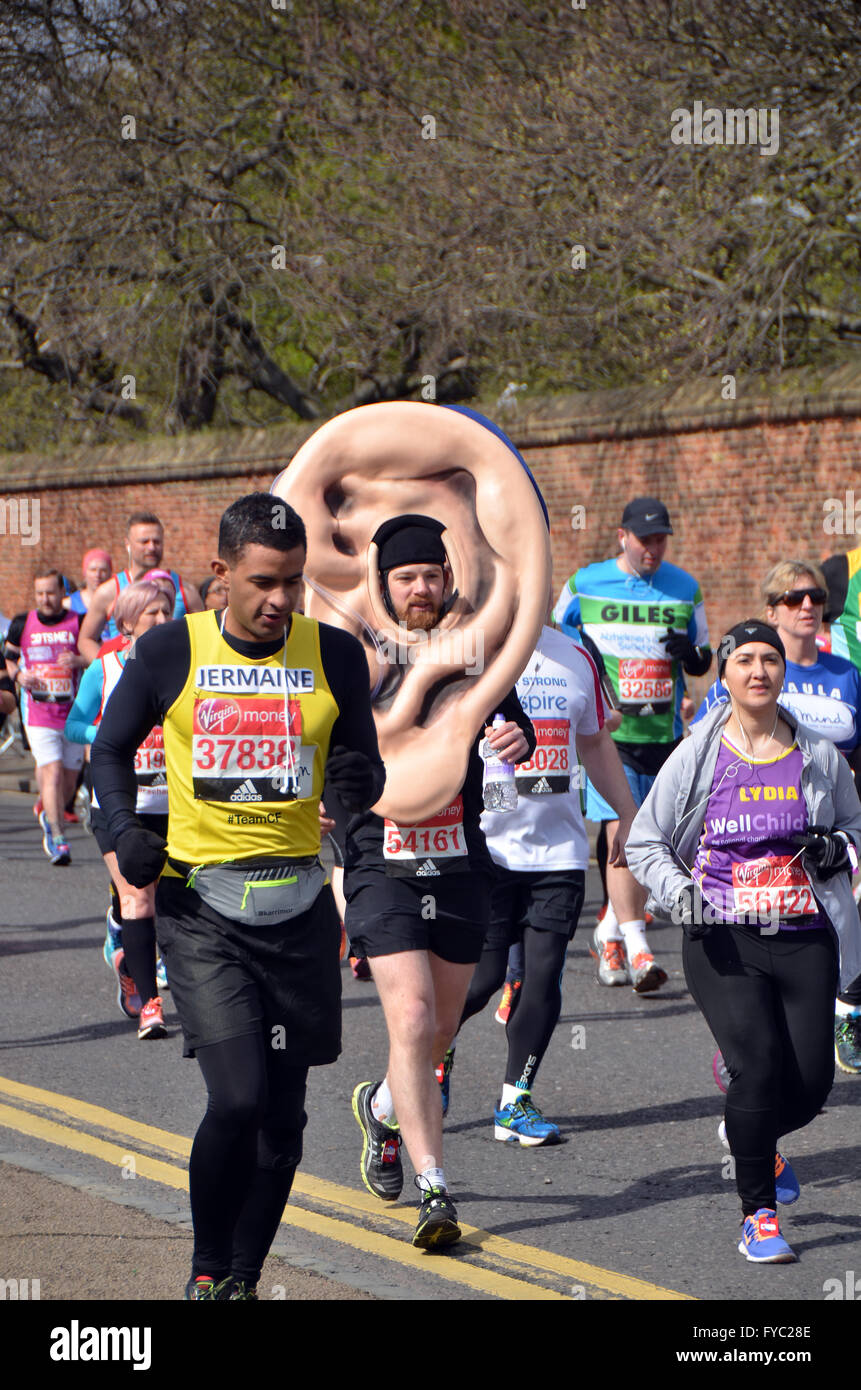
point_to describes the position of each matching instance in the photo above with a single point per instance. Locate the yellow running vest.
(227, 749)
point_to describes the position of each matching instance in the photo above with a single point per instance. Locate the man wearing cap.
(417, 908)
(647, 619)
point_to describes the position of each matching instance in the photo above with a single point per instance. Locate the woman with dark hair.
(130, 944)
(748, 838)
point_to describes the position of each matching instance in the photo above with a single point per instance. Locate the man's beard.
(419, 619)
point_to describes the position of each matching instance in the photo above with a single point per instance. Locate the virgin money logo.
(218, 716)
(754, 875)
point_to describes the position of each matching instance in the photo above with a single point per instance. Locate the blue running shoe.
(787, 1188)
(762, 1242)
(113, 939)
(443, 1076)
(523, 1122)
(161, 974)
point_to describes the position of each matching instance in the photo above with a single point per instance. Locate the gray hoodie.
(669, 824)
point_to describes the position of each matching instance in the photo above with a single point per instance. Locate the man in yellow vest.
(251, 701)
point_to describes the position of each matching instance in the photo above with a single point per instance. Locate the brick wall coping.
(577, 417)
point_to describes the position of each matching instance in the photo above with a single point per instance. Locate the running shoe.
(70, 818)
(236, 1291)
(523, 1122)
(151, 1021)
(761, 1240)
(381, 1167)
(510, 996)
(443, 1076)
(645, 974)
(161, 974)
(127, 996)
(612, 965)
(437, 1224)
(37, 808)
(113, 939)
(360, 968)
(787, 1188)
(847, 1042)
(203, 1288)
(720, 1073)
(56, 850)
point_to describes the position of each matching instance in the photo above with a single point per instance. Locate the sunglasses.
(793, 598)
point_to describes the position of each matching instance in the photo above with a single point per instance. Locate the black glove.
(826, 852)
(141, 855)
(352, 776)
(688, 912)
(679, 646)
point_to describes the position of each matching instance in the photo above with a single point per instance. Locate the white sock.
(434, 1177)
(511, 1094)
(608, 927)
(382, 1105)
(635, 937)
(842, 1010)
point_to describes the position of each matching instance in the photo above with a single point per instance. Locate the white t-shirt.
(561, 693)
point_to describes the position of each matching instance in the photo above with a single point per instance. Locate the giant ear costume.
(432, 693)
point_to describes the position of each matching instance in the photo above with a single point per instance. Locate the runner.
(761, 895)
(417, 908)
(130, 942)
(42, 657)
(647, 619)
(823, 691)
(250, 701)
(213, 593)
(541, 854)
(145, 546)
(96, 568)
(8, 702)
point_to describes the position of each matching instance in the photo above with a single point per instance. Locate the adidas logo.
(542, 785)
(159, 780)
(247, 792)
(427, 870)
(647, 709)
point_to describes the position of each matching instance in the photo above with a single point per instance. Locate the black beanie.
(409, 540)
(752, 630)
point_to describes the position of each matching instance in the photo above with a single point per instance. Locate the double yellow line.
(488, 1264)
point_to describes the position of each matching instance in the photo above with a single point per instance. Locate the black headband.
(409, 540)
(752, 630)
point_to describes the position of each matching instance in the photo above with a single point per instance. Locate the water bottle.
(500, 789)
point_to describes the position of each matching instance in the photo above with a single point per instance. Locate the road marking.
(498, 1250)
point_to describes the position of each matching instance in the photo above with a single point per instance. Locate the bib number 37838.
(241, 750)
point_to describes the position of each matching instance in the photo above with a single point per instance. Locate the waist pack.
(259, 894)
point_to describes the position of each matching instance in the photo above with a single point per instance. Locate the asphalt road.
(638, 1188)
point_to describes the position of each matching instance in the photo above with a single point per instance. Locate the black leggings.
(530, 1025)
(769, 1002)
(244, 1155)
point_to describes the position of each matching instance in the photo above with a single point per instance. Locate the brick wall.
(746, 485)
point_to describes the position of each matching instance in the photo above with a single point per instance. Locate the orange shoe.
(645, 974)
(151, 1023)
(509, 998)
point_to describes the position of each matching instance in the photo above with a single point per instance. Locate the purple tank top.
(746, 865)
(41, 645)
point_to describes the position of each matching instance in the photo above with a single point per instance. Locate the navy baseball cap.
(646, 516)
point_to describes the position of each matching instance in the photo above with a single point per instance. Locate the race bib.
(149, 759)
(57, 683)
(241, 750)
(644, 680)
(436, 846)
(549, 769)
(776, 886)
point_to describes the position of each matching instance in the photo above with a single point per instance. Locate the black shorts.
(550, 901)
(447, 915)
(228, 979)
(105, 840)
